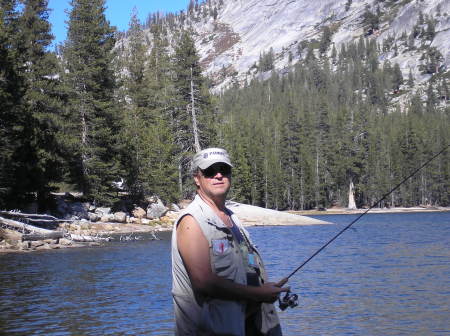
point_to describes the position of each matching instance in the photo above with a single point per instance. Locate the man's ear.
(196, 180)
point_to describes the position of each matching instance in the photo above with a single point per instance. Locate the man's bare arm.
(194, 250)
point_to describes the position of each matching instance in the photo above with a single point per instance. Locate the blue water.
(387, 275)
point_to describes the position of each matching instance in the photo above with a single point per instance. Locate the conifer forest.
(95, 111)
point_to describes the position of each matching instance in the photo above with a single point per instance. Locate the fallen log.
(34, 217)
(86, 239)
(42, 236)
(31, 229)
(22, 227)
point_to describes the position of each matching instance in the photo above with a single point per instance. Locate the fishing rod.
(290, 300)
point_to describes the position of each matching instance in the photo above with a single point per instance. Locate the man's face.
(215, 180)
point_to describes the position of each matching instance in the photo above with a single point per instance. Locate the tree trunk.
(194, 117)
(302, 192)
(180, 178)
(42, 236)
(266, 189)
(317, 177)
(351, 196)
(81, 239)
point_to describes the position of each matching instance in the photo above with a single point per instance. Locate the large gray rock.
(93, 217)
(156, 210)
(120, 217)
(103, 211)
(174, 207)
(253, 215)
(107, 218)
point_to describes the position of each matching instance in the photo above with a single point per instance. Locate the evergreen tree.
(30, 102)
(410, 79)
(12, 88)
(431, 29)
(136, 114)
(160, 93)
(371, 20)
(397, 78)
(290, 156)
(432, 59)
(431, 99)
(191, 109)
(40, 153)
(325, 40)
(348, 5)
(91, 112)
(266, 61)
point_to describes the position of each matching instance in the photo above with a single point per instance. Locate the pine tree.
(136, 114)
(410, 78)
(92, 114)
(325, 40)
(432, 59)
(40, 157)
(191, 109)
(431, 99)
(397, 78)
(12, 88)
(290, 155)
(148, 149)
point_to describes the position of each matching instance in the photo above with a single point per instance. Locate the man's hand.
(270, 291)
(282, 282)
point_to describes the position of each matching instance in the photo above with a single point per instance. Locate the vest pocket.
(223, 259)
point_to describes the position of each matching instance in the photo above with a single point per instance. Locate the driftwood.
(41, 236)
(81, 238)
(34, 231)
(22, 227)
(34, 217)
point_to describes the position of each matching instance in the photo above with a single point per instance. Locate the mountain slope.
(231, 45)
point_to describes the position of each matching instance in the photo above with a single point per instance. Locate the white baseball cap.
(209, 156)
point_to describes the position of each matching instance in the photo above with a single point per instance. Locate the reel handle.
(289, 300)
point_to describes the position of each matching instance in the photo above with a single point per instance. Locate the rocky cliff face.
(232, 35)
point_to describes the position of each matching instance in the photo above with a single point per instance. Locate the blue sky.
(118, 12)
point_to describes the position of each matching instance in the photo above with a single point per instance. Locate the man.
(219, 282)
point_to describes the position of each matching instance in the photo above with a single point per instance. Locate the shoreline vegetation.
(82, 233)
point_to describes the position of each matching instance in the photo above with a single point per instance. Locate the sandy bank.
(345, 211)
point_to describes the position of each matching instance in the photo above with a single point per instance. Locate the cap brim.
(209, 163)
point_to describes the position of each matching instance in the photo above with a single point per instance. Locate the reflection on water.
(390, 275)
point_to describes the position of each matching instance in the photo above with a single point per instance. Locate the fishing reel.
(289, 300)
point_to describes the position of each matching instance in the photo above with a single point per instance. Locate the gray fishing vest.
(199, 315)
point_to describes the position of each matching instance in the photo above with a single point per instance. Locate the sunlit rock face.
(231, 42)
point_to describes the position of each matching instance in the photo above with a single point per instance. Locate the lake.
(387, 275)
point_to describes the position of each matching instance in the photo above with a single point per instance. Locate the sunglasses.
(211, 171)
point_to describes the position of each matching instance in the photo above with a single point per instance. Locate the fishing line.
(374, 205)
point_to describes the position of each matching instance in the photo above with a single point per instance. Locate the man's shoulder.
(193, 205)
(190, 209)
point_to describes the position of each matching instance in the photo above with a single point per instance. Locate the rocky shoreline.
(96, 233)
(77, 233)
